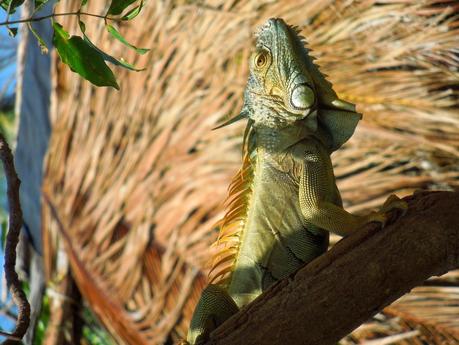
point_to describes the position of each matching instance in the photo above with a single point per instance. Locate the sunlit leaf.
(10, 5)
(133, 13)
(115, 33)
(106, 57)
(118, 6)
(82, 58)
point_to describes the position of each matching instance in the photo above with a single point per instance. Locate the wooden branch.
(12, 238)
(334, 294)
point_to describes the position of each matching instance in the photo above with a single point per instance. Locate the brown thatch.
(137, 177)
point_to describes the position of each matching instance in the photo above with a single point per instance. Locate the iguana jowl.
(284, 201)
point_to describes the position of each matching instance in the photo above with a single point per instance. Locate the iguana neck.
(279, 139)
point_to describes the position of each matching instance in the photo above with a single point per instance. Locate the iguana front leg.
(317, 182)
(213, 308)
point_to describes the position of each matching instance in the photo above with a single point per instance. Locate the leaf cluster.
(78, 52)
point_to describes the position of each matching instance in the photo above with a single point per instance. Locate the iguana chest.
(274, 242)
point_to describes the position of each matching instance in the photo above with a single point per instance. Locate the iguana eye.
(261, 59)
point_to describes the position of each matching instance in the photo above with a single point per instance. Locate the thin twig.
(5, 309)
(8, 314)
(37, 19)
(12, 238)
(10, 337)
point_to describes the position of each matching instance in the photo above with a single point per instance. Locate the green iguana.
(283, 202)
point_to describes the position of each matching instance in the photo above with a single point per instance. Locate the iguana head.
(285, 88)
(279, 91)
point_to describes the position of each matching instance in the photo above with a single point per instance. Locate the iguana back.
(232, 225)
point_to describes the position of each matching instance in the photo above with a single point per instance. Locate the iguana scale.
(283, 202)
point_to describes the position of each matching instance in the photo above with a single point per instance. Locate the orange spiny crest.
(232, 224)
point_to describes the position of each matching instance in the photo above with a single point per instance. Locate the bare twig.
(12, 238)
(362, 274)
(53, 15)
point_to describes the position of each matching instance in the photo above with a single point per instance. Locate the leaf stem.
(36, 19)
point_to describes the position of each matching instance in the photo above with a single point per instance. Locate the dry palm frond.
(433, 310)
(381, 330)
(138, 178)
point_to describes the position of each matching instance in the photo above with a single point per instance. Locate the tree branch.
(15, 223)
(334, 294)
(54, 15)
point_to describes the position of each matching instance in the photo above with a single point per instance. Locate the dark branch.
(54, 15)
(334, 294)
(12, 238)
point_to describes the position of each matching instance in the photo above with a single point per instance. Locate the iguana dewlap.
(284, 201)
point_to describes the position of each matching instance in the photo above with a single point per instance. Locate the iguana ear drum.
(302, 97)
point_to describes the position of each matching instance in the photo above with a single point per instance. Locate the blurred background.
(120, 189)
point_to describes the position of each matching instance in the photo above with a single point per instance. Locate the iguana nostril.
(302, 97)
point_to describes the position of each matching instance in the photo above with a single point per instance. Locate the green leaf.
(4, 225)
(109, 58)
(133, 13)
(118, 6)
(12, 31)
(82, 58)
(41, 42)
(115, 33)
(10, 5)
(118, 62)
(39, 5)
(83, 2)
(42, 321)
(82, 27)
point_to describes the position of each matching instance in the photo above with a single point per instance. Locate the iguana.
(283, 202)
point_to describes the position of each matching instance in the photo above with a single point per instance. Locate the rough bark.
(12, 238)
(328, 298)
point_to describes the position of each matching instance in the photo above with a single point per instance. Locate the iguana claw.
(378, 217)
(393, 202)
